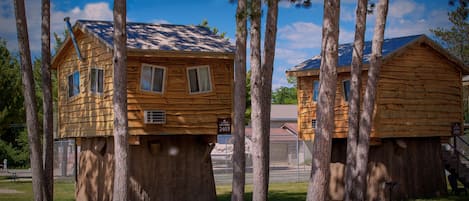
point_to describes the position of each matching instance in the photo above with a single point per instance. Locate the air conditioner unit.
(155, 116)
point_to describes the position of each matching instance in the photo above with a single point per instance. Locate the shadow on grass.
(273, 196)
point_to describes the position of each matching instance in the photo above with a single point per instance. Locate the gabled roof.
(166, 37)
(391, 47)
(148, 39)
(283, 112)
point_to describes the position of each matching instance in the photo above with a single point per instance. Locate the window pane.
(346, 90)
(100, 81)
(93, 80)
(315, 90)
(70, 85)
(158, 79)
(193, 82)
(204, 79)
(76, 83)
(145, 78)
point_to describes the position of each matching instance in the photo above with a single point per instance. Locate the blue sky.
(299, 29)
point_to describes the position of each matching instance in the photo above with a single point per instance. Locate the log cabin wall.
(307, 107)
(186, 113)
(419, 95)
(87, 113)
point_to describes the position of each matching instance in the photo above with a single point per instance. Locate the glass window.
(315, 90)
(74, 84)
(152, 78)
(96, 79)
(346, 85)
(199, 79)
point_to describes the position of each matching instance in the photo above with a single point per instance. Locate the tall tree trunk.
(322, 145)
(48, 121)
(355, 93)
(267, 67)
(369, 99)
(29, 102)
(259, 192)
(239, 158)
(121, 146)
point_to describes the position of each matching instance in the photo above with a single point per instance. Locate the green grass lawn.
(65, 191)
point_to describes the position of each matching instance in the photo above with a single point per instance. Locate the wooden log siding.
(185, 113)
(419, 95)
(88, 115)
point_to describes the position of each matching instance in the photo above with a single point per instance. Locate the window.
(74, 84)
(315, 90)
(313, 123)
(152, 78)
(199, 79)
(346, 85)
(96, 80)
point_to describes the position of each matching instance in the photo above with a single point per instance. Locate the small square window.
(346, 85)
(74, 84)
(199, 79)
(152, 78)
(97, 80)
(315, 90)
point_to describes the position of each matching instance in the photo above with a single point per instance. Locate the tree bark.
(239, 158)
(121, 146)
(369, 99)
(322, 145)
(48, 121)
(355, 93)
(30, 102)
(259, 192)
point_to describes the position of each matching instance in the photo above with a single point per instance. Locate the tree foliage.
(456, 38)
(285, 95)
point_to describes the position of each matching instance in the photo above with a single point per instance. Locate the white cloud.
(94, 11)
(290, 56)
(401, 8)
(301, 35)
(160, 21)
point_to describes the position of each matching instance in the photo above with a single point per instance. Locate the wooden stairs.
(456, 160)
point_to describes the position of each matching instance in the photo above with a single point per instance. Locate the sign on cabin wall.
(224, 125)
(456, 129)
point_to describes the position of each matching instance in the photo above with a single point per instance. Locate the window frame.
(198, 79)
(163, 82)
(344, 91)
(71, 96)
(313, 97)
(97, 92)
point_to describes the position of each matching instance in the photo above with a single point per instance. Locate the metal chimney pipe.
(70, 31)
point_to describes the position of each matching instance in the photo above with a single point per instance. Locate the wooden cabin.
(179, 94)
(418, 105)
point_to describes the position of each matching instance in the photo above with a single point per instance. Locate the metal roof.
(166, 37)
(345, 52)
(283, 112)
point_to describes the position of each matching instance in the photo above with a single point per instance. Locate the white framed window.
(74, 84)
(152, 78)
(315, 90)
(199, 79)
(155, 116)
(97, 80)
(346, 87)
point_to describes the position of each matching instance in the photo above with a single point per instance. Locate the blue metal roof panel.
(164, 37)
(345, 53)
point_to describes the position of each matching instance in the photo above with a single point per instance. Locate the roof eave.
(132, 52)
